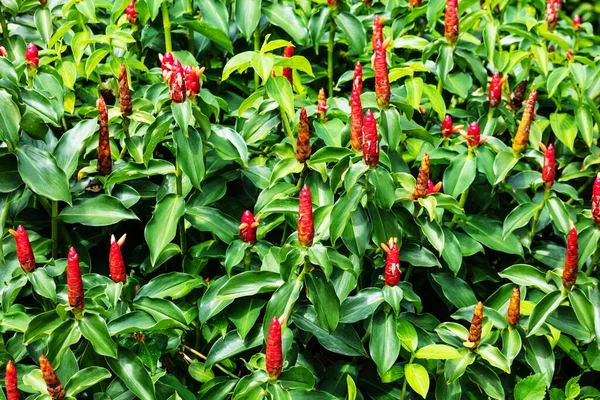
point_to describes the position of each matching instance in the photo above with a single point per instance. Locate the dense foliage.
(248, 199)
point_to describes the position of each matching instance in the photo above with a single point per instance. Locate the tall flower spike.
(522, 135)
(74, 282)
(3, 52)
(274, 356)
(31, 56)
(548, 168)
(475, 330)
(596, 200)
(422, 179)
(166, 65)
(287, 72)
(356, 119)
(551, 13)
(357, 80)
(322, 104)
(451, 20)
(124, 92)
(248, 227)
(306, 226)
(131, 13)
(24, 250)
(577, 23)
(192, 79)
(570, 270)
(370, 143)
(12, 391)
(303, 149)
(495, 93)
(514, 307)
(53, 385)
(377, 30)
(382, 80)
(115, 260)
(104, 157)
(177, 83)
(518, 95)
(392, 270)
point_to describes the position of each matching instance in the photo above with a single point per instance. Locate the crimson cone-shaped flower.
(306, 226)
(522, 135)
(356, 120)
(475, 330)
(24, 250)
(551, 13)
(370, 140)
(447, 126)
(377, 30)
(382, 80)
(322, 104)
(473, 135)
(274, 352)
(577, 23)
(177, 83)
(422, 179)
(548, 169)
(115, 260)
(166, 64)
(303, 149)
(131, 13)
(248, 227)
(287, 72)
(570, 55)
(514, 307)
(392, 271)
(495, 93)
(519, 94)
(357, 80)
(104, 157)
(124, 92)
(12, 391)
(53, 385)
(595, 200)
(3, 52)
(451, 20)
(570, 270)
(31, 56)
(192, 79)
(74, 282)
(431, 188)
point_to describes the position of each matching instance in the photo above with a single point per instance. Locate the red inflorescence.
(177, 83)
(306, 226)
(451, 20)
(74, 282)
(24, 250)
(288, 52)
(570, 270)
(495, 93)
(357, 80)
(577, 23)
(274, 356)
(115, 260)
(370, 140)
(392, 271)
(596, 200)
(3, 52)
(322, 104)
(431, 188)
(31, 55)
(131, 13)
(356, 120)
(166, 65)
(382, 80)
(303, 149)
(248, 227)
(377, 34)
(192, 79)
(473, 134)
(551, 13)
(548, 169)
(12, 391)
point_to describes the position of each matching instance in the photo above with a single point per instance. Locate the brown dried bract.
(422, 179)
(124, 92)
(55, 388)
(514, 307)
(104, 157)
(476, 325)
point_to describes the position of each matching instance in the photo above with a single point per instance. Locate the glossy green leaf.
(41, 174)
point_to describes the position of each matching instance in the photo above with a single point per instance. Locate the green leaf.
(353, 31)
(519, 217)
(101, 210)
(459, 176)
(232, 344)
(542, 310)
(556, 77)
(559, 214)
(71, 145)
(298, 377)
(131, 370)
(487, 379)
(322, 295)
(455, 290)
(43, 23)
(41, 174)
(41, 325)
(417, 378)
(494, 357)
(563, 126)
(132, 171)
(247, 16)
(585, 124)
(229, 144)
(244, 314)
(437, 352)
(384, 344)
(407, 334)
(532, 387)
(190, 155)
(361, 306)
(285, 17)
(249, 283)
(209, 219)
(84, 379)
(503, 164)
(489, 233)
(172, 284)
(280, 89)
(10, 118)
(526, 275)
(92, 62)
(43, 284)
(215, 34)
(94, 329)
(161, 228)
(583, 309)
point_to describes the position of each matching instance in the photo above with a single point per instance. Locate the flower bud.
(131, 13)
(274, 356)
(451, 20)
(31, 56)
(570, 55)
(306, 227)
(548, 168)
(12, 391)
(74, 282)
(115, 260)
(322, 104)
(192, 79)
(522, 135)
(476, 325)
(357, 80)
(414, 3)
(248, 227)
(595, 200)
(53, 384)
(356, 120)
(495, 93)
(473, 134)
(303, 149)
(124, 92)
(3, 52)
(166, 65)
(431, 188)
(514, 307)
(422, 179)
(392, 271)
(287, 72)
(551, 13)
(370, 140)
(570, 270)
(447, 128)
(104, 157)
(177, 83)
(382, 80)
(577, 23)
(24, 250)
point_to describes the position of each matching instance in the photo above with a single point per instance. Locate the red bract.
(473, 135)
(288, 52)
(12, 391)
(596, 200)
(192, 79)
(392, 271)
(166, 64)
(306, 227)
(377, 30)
(356, 119)
(24, 250)
(248, 227)
(447, 126)
(177, 83)
(570, 270)
(570, 55)
(370, 140)
(495, 93)
(551, 13)
(322, 104)
(431, 188)
(3, 52)
(414, 3)
(131, 13)
(115, 260)
(31, 56)
(357, 80)
(303, 149)
(274, 356)
(53, 384)
(577, 23)
(104, 156)
(74, 282)
(548, 169)
(451, 20)
(332, 3)
(382, 81)
(522, 135)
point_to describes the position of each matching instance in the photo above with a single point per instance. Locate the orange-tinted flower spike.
(303, 149)
(322, 104)
(306, 227)
(392, 271)
(377, 30)
(124, 92)
(115, 260)
(382, 80)
(451, 20)
(356, 120)
(421, 187)
(12, 391)
(53, 384)
(104, 157)
(370, 140)
(357, 80)
(514, 307)
(522, 135)
(570, 270)
(74, 282)
(476, 325)
(431, 188)
(24, 250)
(274, 356)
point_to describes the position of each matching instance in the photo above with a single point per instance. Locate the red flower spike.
(377, 30)
(192, 79)
(306, 226)
(274, 356)
(248, 227)
(495, 93)
(522, 136)
(288, 52)
(356, 120)
(53, 384)
(357, 80)
(447, 128)
(131, 13)
(577, 23)
(177, 83)
(382, 80)
(24, 250)
(370, 140)
(166, 65)
(473, 135)
(570, 55)
(570, 270)
(12, 391)
(451, 20)
(115, 260)
(74, 282)
(596, 200)
(322, 104)
(392, 271)
(303, 149)
(548, 168)
(431, 188)
(31, 56)
(3, 52)
(551, 13)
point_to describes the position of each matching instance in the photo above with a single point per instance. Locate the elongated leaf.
(249, 283)
(542, 310)
(94, 329)
(384, 344)
(163, 224)
(131, 370)
(353, 31)
(247, 15)
(41, 174)
(100, 210)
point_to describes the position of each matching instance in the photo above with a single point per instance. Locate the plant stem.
(247, 259)
(256, 48)
(54, 224)
(330, 56)
(181, 224)
(305, 269)
(582, 188)
(4, 26)
(461, 203)
(536, 217)
(288, 130)
(190, 10)
(408, 273)
(127, 137)
(202, 356)
(592, 265)
(167, 25)
(368, 187)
